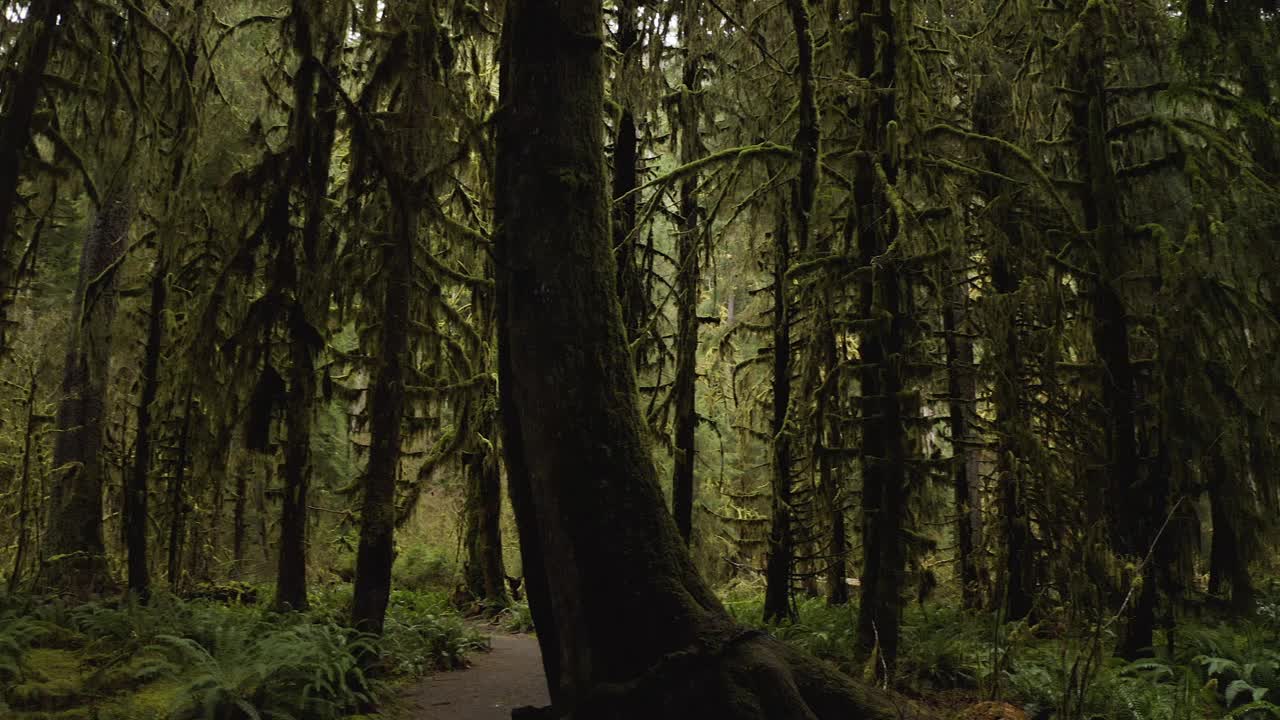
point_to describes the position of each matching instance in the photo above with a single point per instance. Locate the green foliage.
(17, 634)
(419, 567)
(308, 670)
(516, 617)
(184, 660)
(422, 634)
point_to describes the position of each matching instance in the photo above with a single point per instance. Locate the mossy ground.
(69, 684)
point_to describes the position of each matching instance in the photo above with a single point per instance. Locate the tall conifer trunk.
(881, 346)
(74, 552)
(687, 285)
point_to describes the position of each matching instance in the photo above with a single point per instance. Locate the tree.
(597, 541)
(73, 551)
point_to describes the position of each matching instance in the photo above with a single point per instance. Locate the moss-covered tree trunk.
(178, 504)
(485, 573)
(781, 558)
(24, 486)
(587, 499)
(1132, 503)
(301, 269)
(137, 484)
(18, 101)
(626, 160)
(386, 410)
(881, 345)
(962, 392)
(687, 283)
(73, 553)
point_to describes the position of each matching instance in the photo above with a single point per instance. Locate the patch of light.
(17, 12)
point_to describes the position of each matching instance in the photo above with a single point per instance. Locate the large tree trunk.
(583, 482)
(74, 550)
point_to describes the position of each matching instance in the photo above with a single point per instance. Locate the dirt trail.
(507, 677)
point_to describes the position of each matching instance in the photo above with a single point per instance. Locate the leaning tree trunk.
(73, 545)
(589, 507)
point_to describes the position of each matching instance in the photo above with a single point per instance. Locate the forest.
(639, 359)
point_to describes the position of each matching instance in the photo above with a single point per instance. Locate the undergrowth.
(175, 659)
(1209, 670)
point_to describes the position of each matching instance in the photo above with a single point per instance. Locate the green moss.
(46, 664)
(149, 702)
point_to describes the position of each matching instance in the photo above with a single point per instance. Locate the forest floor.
(508, 676)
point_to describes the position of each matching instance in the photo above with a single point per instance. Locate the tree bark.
(781, 559)
(178, 498)
(962, 396)
(74, 549)
(386, 410)
(24, 486)
(881, 346)
(136, 489)
(687, 282)
(485, 574)
(626, 153)
(19, 105)
(1132, 505)
(584, 486)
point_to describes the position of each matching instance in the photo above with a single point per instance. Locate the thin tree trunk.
(781, 558)
(881, 347)
(24, 486)
(485, 572)
(1130, 524)
(962, 391)
(136, 489)
(239, 523)
(178, 498)
(386, 410)
(687, 282)
(74, 549)
(291, 572)
(631, 291)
